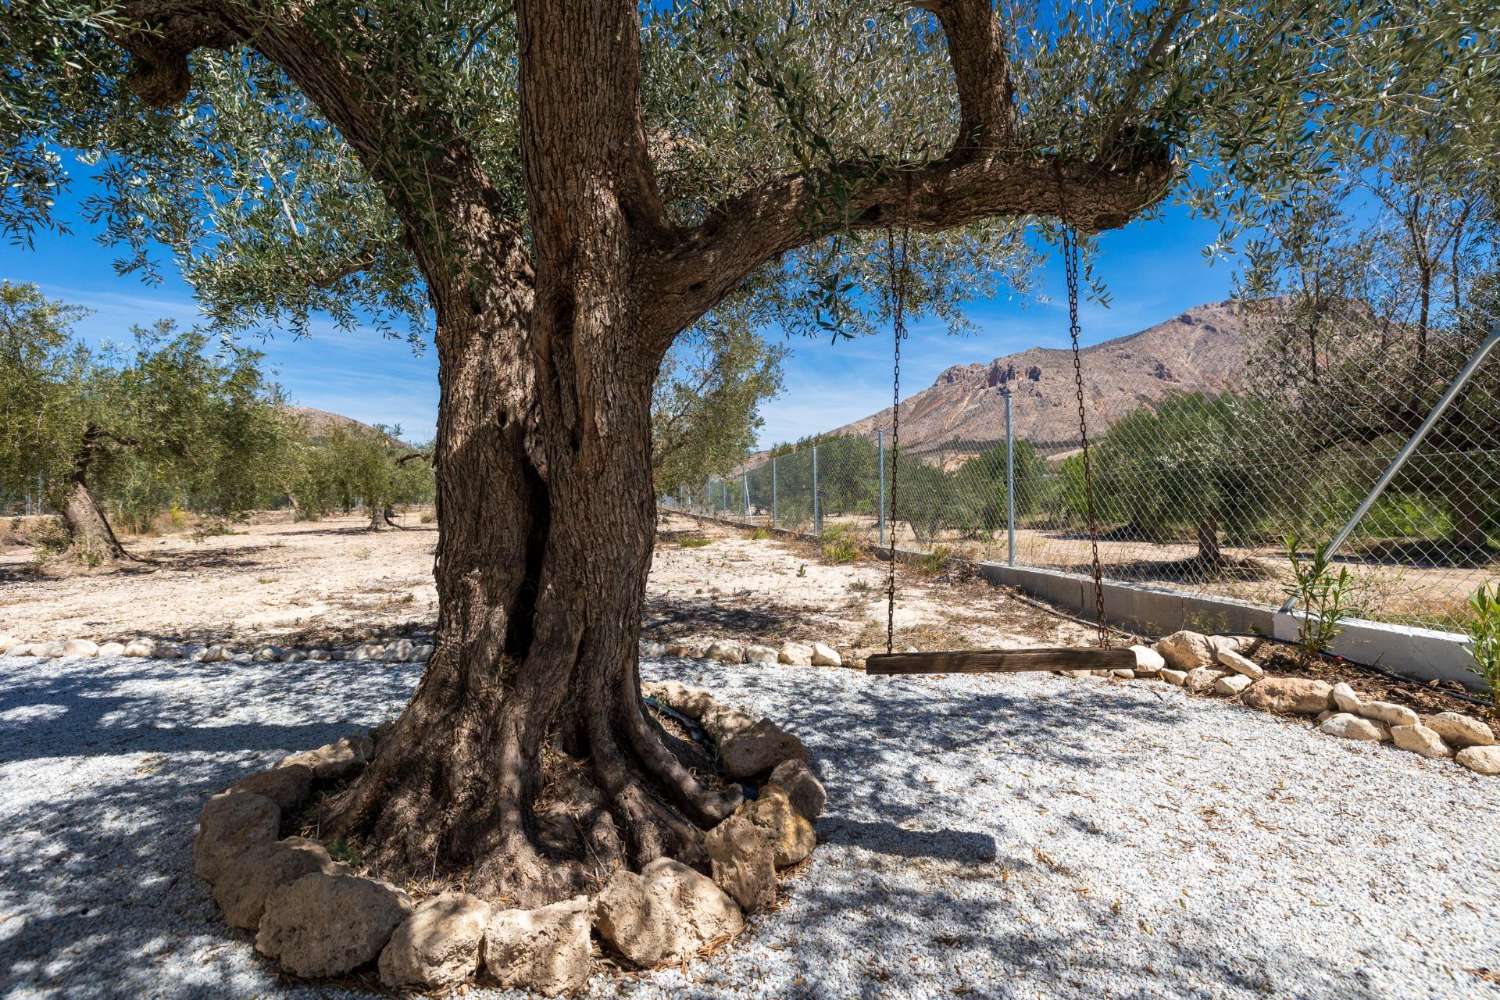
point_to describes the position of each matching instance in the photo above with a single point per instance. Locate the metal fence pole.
(1408, 449)
(773, 491)
(745, 488)
(1010, 484)
(817, 507)
(880, 499)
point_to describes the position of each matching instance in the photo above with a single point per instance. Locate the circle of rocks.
(316, 917)
(402, 650)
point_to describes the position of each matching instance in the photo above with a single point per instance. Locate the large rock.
(232, 824)
(141, 646)
(743, 862)
(1232, 685)
(1389, 713)
(401, 651)
(758, 749)
(1148, 662)
(7, 641)
(1460, 730)
(1420, 740)
(665, 914)
(438, 945)
(80, 647)
(1480, 760)
(1238, 662)
(802, 787)
(792, 836)
(247, 880)
(48, 650)
(1177, 677)
(1352, 727)
(795, 654)
(545, 950)
(112, 649)
(1345, 699)
(727, 651)
(692, 649)
(1289, 695)
(327, 925)
(1201, 680)
(287, 786)
(824, 655)
(756, 653)
(1186, 650)
(333, 761)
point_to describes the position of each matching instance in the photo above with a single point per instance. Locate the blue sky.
(1154, 269)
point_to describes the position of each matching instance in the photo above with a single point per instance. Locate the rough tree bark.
(90, 537)
(526, 762)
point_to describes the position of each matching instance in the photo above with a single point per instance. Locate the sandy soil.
(334, 581)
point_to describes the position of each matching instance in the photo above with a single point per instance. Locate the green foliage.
(839, 544)
(1483, 630)
(345, 467)
(1325, 599)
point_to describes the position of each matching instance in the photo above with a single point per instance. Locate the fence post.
(880, 498)
(773, 491)
(817, 507)
(1461, 380)
(745, 488)
(1010, 484)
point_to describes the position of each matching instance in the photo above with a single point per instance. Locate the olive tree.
(571, 186)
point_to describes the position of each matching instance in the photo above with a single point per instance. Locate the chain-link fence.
(1205, 491)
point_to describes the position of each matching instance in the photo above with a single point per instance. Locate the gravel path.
(1026, 836)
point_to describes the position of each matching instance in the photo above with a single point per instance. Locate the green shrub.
(840, 545)
(1483, 628)
(1325, 598)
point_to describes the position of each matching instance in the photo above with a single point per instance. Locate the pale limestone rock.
(48, 650)
(247, 880)
(6, 642)
(545, 950)
(1239, 663)
(1459, 730)
(665, 914)
(112, 649)
(140, 646)
(758, 749)
(792, 836)
(335, 760)
(727, 651)
(423, 653)
(327, 925)
(1390, 714)
(1186, 650)
(242, 658)
(1201, 680)
(1480, 760)
(80, 647)
(295, 656)
(438, 945)
(19, 649)
(756, 653)
(796, 654)
(1124, 673)
(1177, 677)
(691, 649)
(1352, 727)
(233, 823)
(318, 655)
(1148, 662)
(651, 650)
(1324, 716)
(824, 655)
(743, 861)
(1345, 699)
(368, 651)
(268, 654)
(802, 787)
(401, 651)
(287, 786)
(216, 653)
(1290, 695)
(1232, 685)
(1420, 740)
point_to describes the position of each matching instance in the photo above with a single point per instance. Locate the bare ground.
(332, 580)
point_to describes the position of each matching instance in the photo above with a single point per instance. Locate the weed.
(839, 545)
(759, 535)
(428, 517)
(1325, 598)
(933, 562)
(694, 541)
(1483, 628)
(342, 851)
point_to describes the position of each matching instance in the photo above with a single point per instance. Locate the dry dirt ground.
(333, 581)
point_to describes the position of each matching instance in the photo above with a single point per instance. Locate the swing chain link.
(898, 326)
(1070, 269)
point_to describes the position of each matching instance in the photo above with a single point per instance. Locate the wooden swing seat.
(1000, 661)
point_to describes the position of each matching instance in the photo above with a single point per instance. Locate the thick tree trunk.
(1470, 521)
(1208, 543)
(90, 538)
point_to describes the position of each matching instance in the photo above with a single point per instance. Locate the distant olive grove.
(171, 424)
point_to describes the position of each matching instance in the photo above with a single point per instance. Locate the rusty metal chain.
(898, 326)
(1070, 269)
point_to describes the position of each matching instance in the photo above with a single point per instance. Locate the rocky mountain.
(1202, 350)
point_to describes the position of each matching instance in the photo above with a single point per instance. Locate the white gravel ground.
(1024, 836)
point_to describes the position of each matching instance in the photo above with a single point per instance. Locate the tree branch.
(986, 97)
(1135, 82)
